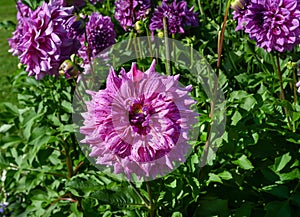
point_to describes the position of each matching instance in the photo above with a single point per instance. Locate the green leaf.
(212, 207)
(225, 175)
(214, 178)
(282, 161)
(119, 196)
(177, 214)
(244, 163)
(278, 209)
(280, 191)
(67, 106)
(244, 210)
(5, 127)
(236, 118)
(294, 174)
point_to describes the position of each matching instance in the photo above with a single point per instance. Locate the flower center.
(139, 117)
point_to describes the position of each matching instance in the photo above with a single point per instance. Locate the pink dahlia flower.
(140, 123)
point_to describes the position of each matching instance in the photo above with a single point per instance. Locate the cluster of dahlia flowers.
(140, 123)
(273, 24)
(40, 40)
(47, 37)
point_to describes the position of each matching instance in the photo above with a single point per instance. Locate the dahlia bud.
(160, 34)
(139, 26)
(68, 69)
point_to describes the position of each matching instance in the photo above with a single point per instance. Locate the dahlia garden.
(151, 108)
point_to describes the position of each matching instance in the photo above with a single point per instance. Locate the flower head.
(100, 34)
(178, 16)
(274, 24)
(41, 40)
(240, 7)
(128, 12)
(139, 123)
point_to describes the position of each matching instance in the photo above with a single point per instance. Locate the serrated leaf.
(119, 196)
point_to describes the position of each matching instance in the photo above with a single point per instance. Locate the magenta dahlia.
(178, 17)
(100, 34)
(139, 124)
(128, 12)
(274, 24)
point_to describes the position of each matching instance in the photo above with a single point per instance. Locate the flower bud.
(68, 69)
(160, 34)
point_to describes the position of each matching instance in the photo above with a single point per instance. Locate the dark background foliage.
(255, 173)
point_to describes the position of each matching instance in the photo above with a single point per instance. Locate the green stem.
(216, 79)
(295, 88)
(147, 203)
(201, 10)
(282, 95)
(168, 63)
(151, 208)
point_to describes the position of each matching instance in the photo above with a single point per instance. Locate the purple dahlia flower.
(298, 85)
(240, 7)
(128, 12)
(139, 124)
(100, 34)
(41, 40)
(178, 16)
(274, 24)
(23, 12)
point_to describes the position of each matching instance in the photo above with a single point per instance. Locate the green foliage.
(255, 173)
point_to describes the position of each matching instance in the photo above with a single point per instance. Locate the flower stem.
(151, 208)
(282, 95)
(216, 79)
(147, 203)
(168, 63)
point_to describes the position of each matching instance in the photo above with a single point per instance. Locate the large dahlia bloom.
(41, 40)
(100, 34)
(140, 123)
(274, 24)
(128, 12)
(178, 16)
